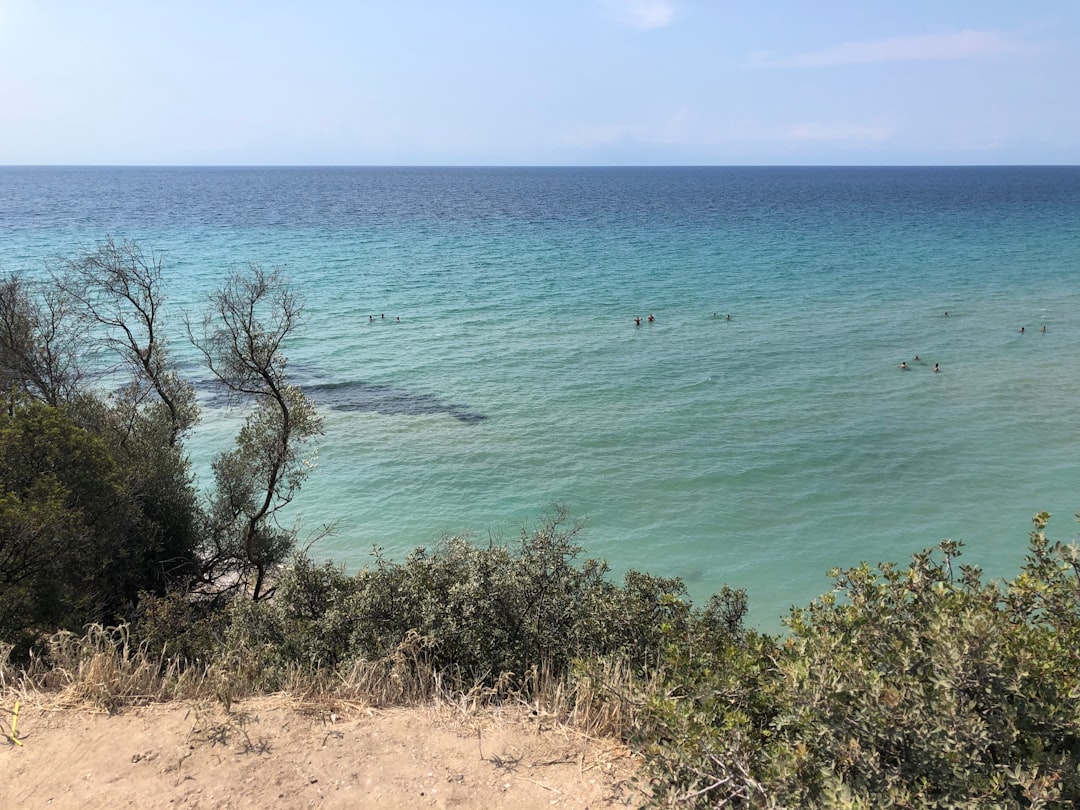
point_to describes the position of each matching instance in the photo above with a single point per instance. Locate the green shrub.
(73, 539)
(482, 611)
(916, 687)
(175, 627)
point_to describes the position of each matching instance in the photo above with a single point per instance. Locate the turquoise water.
(757, 452)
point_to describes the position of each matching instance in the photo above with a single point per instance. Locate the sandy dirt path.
(271, 755)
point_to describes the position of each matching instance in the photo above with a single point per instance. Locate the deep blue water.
(757, 452)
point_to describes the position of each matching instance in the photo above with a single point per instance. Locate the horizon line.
(534, 165)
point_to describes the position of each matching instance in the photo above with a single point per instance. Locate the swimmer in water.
(936, 369)
(637, 321)
(651, 318)
(903, 365)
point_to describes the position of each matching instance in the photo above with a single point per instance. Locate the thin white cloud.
(644, 15)
(833, 132)
(928, 47)
(590, 135)
(676, 127)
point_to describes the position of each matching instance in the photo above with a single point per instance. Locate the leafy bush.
(97, 502)
(916, 687)
(482, 611)
(921, 686)
(74, 538)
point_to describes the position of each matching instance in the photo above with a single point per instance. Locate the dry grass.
(562, 734)
(104, 671)
(101, 668)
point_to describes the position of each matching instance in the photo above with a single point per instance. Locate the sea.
(472, 339)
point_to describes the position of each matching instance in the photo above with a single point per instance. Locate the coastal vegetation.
(917, 685)
(99, 505)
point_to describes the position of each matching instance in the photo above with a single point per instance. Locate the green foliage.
(68, 536)
(487, 610)
(243, 344)
(154, 476)
(41, 338)
(86, 522)
(176, 627)
(916, 687)
(97, 503)
(481, 611)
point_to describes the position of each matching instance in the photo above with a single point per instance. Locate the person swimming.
(903, 365)
(936, 369)
(651, 318)
(637, 321)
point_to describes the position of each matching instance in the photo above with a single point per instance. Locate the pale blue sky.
(539, 82)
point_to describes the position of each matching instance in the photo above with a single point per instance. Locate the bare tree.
(121, 289)
(41, 340)
(242, 339)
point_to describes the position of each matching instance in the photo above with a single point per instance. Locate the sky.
(539, 82)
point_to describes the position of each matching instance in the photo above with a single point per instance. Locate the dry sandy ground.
(271, 755)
